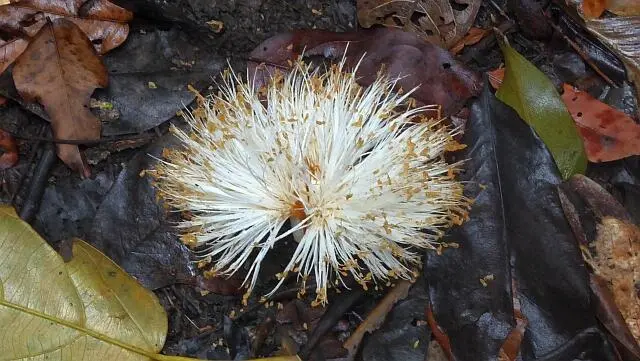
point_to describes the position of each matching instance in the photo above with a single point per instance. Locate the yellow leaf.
(86, 309)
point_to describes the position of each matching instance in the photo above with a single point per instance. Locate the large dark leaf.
(517, 218)
(130, 226)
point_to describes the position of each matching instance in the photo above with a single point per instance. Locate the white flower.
(358, 172)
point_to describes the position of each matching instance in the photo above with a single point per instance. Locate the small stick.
(38, 183)
(81, 141)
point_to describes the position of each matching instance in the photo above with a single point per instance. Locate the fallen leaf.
(10, 51)
(440, 78)
(611, 246)
(517, 232)
(473, 36)
(85, 309)
(441, 22)
(60, 69)
(608, 134)
(624, 7)
(377, 316)
(102, 21)
(88, 306)
(131, 228)
(8, 150)
(533, 96)
(622, 36)
(404, 335)
(594, 8)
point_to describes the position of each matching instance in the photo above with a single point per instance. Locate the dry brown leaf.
(473, 36)
(60, 69)
(617, 259)
(10, 51)
(104, 23)
(375, 319)
(624, 7)
(442, 22)
(593, 8)
(622, 36)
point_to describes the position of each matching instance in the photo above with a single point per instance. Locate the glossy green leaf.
(86, 309)
(527, 90)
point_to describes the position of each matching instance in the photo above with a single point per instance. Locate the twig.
(32, 157)
(83, 141)
(38, 182)
(582, 54)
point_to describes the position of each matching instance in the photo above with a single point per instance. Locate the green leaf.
(527, 90)
(86, 309)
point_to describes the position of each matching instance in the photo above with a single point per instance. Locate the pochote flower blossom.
(358, 172)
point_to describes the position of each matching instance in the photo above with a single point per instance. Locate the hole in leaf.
(458, 6)
(446, 65)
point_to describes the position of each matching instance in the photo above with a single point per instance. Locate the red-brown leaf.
(9, 150)
(104, 23)
(608, 134)
(60, 69)
(441, 79)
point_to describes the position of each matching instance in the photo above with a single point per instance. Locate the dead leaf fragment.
(624, 7)
(438, 77)
(10, 51)
(441, 22)
(102, 21)
(473, 36)
(60, 69)
(622, 36)
(593, 8)
(617, 259)
(8, 150)
(608, 134)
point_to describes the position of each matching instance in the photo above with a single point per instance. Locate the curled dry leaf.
(473, 36)
(624, 7)
(10, 50)
(608, 134)
(614, 252)
(103, 22)
(60, 69)
(441, 22)
(440, 78)
(622, 36)
(8, 150)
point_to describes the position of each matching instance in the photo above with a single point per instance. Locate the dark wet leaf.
(170, 60)
(477, 319)
(130, 226)
(517, 220)
(404, 335)
(442, 79)
(598, 53)
(69, 206)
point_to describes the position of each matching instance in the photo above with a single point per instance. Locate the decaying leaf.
(58, 309)
(608, 134)
(441, 22)
(473, 36)
(624, 7)
(614, 243)
(8, 150)
(533, 96)
(441, 79)
(593, 8)
(622, 36)
(86, 309)
(10, 51)
(60, 69)
(104, 23)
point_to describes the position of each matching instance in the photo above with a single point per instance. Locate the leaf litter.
(189, 309)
